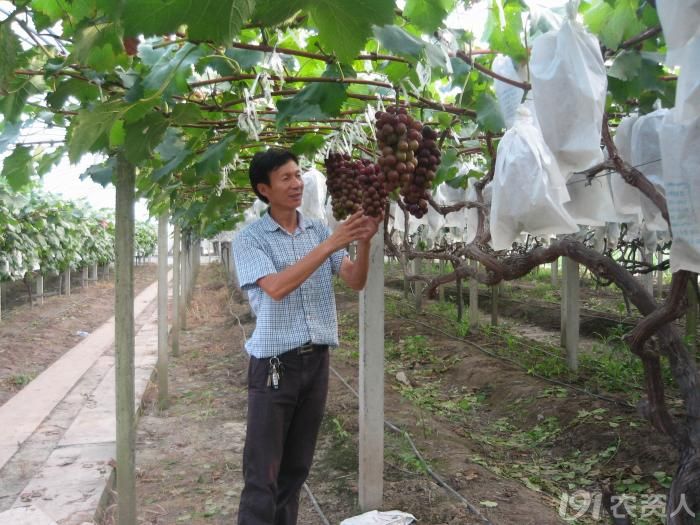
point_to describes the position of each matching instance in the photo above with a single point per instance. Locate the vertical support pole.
(554, 265)
(419, 285)
(406, 286)
(163, 310)
(460, 300)
(691, 318)
(495, 289)
(660, 278)
(474, 297)
(84, 277)
(66, 282)
(647, 278)
(124, 341)
(570, 311)
(184, 256)
(371, 385)
(176, 291)
(40, 288)
(441, 291)
(95, 273)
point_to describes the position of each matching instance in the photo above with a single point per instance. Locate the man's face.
(286, 186)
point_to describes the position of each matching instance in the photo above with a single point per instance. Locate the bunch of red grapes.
(409, 157)
(354, 184)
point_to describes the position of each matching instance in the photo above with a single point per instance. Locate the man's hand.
(357, 227)
(371, 227)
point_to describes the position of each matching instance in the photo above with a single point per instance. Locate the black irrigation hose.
(531, 347)
(518, 365)
(441, 482)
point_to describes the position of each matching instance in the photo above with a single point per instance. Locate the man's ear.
(263, 189)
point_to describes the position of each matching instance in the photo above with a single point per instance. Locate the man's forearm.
(358, 275)
(279, 285)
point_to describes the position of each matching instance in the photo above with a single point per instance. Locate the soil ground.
(32, 338)
(507, 441)
(510, 443)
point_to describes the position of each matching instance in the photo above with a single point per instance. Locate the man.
(285, 262)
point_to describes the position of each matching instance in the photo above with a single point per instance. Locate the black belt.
(309, 348)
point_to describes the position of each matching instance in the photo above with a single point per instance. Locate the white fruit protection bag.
(626, 198)
(569, 86)
(646, 157)
(528, 188)
(680, 150)
(509, 96)
(446, 195)
(313, 201)
(680, 21)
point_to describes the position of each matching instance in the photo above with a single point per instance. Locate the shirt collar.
(270, 224)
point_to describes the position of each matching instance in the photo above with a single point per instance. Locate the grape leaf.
(626, 65)
(90, 126)
(506, 39)
(144, 135)
(210, 161)
(309, 143)
(13, 102)
(10, 132)
(397, 40)
(427, 15)
(9, 50)
(274, 12)
(171, 71)
(100, 173)
(217, 20)
(316, 100)
(344, 26)
(488, 113)
(18, 168)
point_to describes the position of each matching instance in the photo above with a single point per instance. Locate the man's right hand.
(356, 227)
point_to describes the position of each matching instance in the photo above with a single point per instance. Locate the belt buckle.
(305, 349)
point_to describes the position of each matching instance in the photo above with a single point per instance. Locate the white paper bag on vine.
(509, 96)
(680, 21)
(688, 85)
(680, 153)
(626, 198)
(529, 191)
(591, 201)
(569, 85)
(646, 157)
(313, 202)
(446, 195)
(399, 222)
(436, 222)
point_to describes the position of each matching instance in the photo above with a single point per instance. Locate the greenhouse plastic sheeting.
(375, 517)
(569, 86)
(528, 188)
(680, 147)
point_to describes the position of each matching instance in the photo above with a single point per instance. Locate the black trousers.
(281, 436)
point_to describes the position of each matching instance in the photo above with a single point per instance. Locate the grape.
(409, 157)
(354, 184)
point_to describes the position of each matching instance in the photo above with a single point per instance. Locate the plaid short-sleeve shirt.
(306, 314)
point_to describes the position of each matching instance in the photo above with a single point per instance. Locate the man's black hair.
(265, 162)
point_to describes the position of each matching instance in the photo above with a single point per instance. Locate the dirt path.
(32, 338)
(189, 455)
